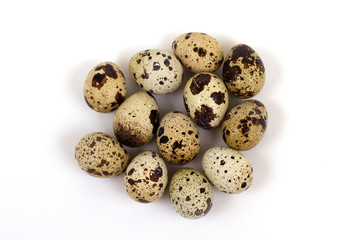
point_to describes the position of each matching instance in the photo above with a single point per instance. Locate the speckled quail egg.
(227, 169)
(191, 194)
(178, 138)
(146, 177)
(156, 71)
(198, 52)
(206, 99)
(245, 125)
(243, 71)
(136, 120)
(105, 87)
(101, 155)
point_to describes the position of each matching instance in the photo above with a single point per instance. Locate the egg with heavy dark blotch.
(206, 99)
(243, 71)
(245, 125)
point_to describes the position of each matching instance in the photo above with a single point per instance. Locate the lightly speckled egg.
(227, 169)
(156, 71)
(191, 194)
(198, 52)
(146, 177)
(105, 87)
(178, 138)
(243, 71)
(245, 125)
(136, 120)
(101, 155)
(206, 99)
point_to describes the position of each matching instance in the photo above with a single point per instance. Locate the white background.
(306, 169)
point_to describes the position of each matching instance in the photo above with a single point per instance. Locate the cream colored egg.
(101, 155)
(146, 177)
(227, 169)
(156, 71)
(198, 52)
(105, 87)
(136, 120)
(178, 138)
(191, 194)
(206, 99)
(245, 125)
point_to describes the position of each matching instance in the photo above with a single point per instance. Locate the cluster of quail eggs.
(206, 98)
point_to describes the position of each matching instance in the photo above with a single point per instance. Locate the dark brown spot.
(164, 139)
(251, 113)
(145, 75)
(108, 69)
(132, 181)
(102, 163)
(198, 84)
(218, 97)
(187, 36)
(198, 212)
(98, 80)
(222, 162)
(155, 175)
(202, 52)
(209, 205)
(160, 131)
(138, 61)
(230, 73)
(143, 201)
(202, 190)
(195, 49)
(156, 66)
(154, 119)
(177, 145)
(186, 106)
(204, 116)
(243, 51)
(187, 198)
(92, 144)
(174, 45)
(190, 132)
(119, 98)
(243, 185)
(167, 62)
(161, 83)
(257, 111)
(131, 171)
(180, 188)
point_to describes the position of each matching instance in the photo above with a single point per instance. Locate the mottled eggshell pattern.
(156, 71)
(101, 155)
(245, 125)
(136, 120)
(206, 99)
(178, 138)
(243, 71)
(227, 169)
(105, 87)
(146, 177)
(198, 52)
(191, 194)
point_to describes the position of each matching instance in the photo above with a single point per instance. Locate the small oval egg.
(191, 194)
(243, 71)
(146, 177)
(178, 138)
(156, 71)
(105, 87)
(206, 99)
(227, 169)
(198, 52)
(245, 125)
(101, 155)
(136, 120)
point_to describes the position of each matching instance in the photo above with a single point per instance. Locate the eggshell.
(206, 99)
(191, 194)
(146, 177)
(243, 71)
(105, 87)
(245, 125)
(156, 71)
(101, 155)
(136, 120)
(227, 169)
(198, 52)
(178, 138)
